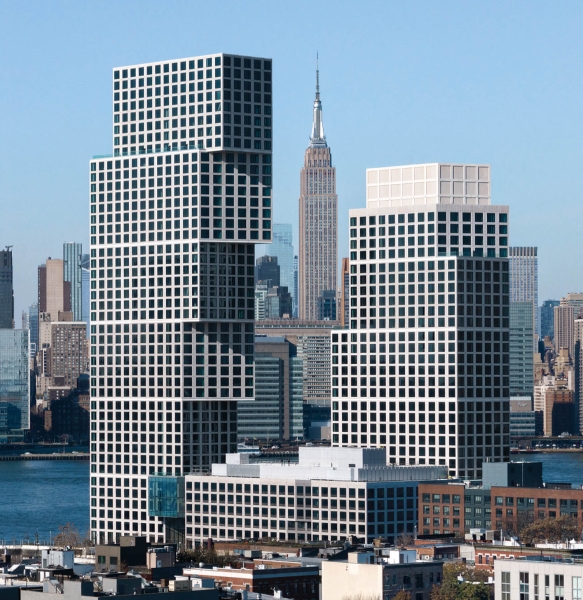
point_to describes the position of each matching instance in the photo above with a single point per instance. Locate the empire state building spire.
(317, 137)
(318, 253)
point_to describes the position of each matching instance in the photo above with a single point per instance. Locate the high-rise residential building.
(277, 410)
(85, 294)
(33, 327)
(345, 293)
(424, 368)
(282, 247)
(172, 319)
(62, 358)
(14, 384)
(267, 271)
(72, 273)
(524, 282)
(564, 320)
(6, 290)
(547, 318)
(318, 255)
(521, 351)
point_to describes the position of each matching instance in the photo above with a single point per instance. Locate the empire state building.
(318, 255)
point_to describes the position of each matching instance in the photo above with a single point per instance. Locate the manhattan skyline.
(494, 92)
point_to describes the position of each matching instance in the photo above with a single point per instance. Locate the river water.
(38, 496)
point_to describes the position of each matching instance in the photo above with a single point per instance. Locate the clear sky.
(402, 82)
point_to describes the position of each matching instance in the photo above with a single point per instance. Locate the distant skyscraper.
(267, 270)
(6, 290)
(547, 318)
(327, 306)
(54, 293)
(296, 294)
(318, 255)
(524, 282)
(564, 327)
(521, 352)
(33, 327)
(14, 384)
(72, 253)
(277, 410)
(282, 247)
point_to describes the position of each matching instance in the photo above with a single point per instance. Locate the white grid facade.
(175, 215)
(424, 367)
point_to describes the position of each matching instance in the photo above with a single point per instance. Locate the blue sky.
(402, 82)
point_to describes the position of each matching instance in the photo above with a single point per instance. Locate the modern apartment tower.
(72, 273)
(424, 368)
(6, 290)
(524, 281)
(318, 254)
(175, 216)
(85, 291)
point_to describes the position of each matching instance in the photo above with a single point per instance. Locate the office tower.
(555, 402)
(54, 293)
(172, 319)
(72, 273)
(423, 369)
(6, 289)
(312, 340)
(14, 384)
(521, 351)
(522, 417)
(327, 309)
(318, 255)
(296, 288)
(345, 293)
(524, 282)
(547, 318)
(267, 271)
(282, 248)
(564, 318)
(277, 410)
(578, 373)
(33, 327)
(272, 302)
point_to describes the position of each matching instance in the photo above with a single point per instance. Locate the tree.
(402, 595)
(553, 531)
(471, 586)
(68, 536)
(405, 539)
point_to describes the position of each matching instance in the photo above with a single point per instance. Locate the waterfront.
(38, 496)
(557, 466)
